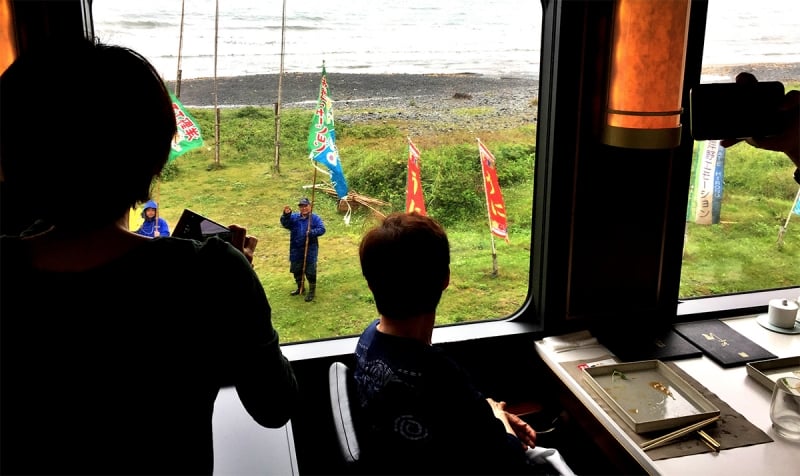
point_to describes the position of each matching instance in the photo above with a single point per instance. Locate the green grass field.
(245, 188)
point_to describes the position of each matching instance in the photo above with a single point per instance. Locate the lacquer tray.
(767, 372)
(648, 395)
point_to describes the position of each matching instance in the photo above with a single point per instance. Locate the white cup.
(782, 313)
(784, 409)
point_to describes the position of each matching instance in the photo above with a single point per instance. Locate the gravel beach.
(494, 100)
(369, 97)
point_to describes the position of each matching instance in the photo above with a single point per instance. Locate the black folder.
(722, 343)
(664, 345)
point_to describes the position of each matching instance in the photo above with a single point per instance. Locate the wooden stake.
(277, 163)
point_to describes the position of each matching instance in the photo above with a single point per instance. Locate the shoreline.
(434, 101)
(303, 88)
(477, 101)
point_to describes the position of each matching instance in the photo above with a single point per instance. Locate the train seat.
(341, 383)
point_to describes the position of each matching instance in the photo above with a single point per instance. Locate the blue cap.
(304, 201)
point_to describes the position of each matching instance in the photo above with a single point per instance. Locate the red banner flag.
(494, 197)
(415, 200)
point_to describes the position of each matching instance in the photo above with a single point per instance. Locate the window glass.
(439, 73)
(743, 228)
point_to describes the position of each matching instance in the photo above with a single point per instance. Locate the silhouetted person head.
(406, 262)
(81, 119)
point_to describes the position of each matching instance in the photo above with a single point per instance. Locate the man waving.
(305, 228)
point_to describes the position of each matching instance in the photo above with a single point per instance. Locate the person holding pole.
(152, 224)
(305, 229)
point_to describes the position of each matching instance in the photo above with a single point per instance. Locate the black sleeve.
(253, 361)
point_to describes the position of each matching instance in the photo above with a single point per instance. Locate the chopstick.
(669, 437)
(708, 440)
(715, 449)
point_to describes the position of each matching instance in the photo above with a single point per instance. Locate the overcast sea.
(488, 37)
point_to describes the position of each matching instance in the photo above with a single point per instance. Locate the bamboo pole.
(277, 163)
(216, 97)
(157, 200)
(179, 74)
(308, 229)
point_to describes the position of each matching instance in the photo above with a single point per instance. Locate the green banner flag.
(188, 136)
(322, 139)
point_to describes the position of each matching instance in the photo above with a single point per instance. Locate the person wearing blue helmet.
(153, 225)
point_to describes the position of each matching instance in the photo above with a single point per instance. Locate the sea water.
(494, 37)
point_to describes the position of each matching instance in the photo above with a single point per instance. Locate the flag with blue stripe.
(322, 139)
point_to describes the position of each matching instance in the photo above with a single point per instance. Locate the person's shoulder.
(442, 364)
(370, 331)
(211, 256)
(213, 247)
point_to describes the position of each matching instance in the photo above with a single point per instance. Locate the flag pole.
(308, 230)
(179, 74)
(488, 216)
(216, 97)
(277, 163)
(408, 141)
(158, 200)
(782, 231)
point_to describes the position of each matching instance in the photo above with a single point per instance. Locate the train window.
(743, 228)
(440, 75)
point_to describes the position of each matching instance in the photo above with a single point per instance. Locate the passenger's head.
(82, 119)
(406, 262)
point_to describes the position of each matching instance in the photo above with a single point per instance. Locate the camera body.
(735, 110)
(197, 227)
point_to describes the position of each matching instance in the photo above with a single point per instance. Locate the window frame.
(571, 166)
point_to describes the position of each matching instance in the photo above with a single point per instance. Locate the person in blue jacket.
(153, 225)
(305, 229)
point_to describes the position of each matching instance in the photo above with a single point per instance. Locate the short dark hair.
(406, 262)
(82, 118)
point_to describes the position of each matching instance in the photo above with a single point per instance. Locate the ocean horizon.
(489, 37)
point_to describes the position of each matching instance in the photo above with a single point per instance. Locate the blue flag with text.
(322, 139)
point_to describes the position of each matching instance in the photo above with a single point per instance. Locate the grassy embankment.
(742, 252)
(739, 254)
(248, 191)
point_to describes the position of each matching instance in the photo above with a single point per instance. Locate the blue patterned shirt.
(422, 414)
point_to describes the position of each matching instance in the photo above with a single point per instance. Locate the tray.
(632, 391)
(767, 372)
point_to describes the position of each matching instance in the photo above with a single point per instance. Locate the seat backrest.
(341, 383)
